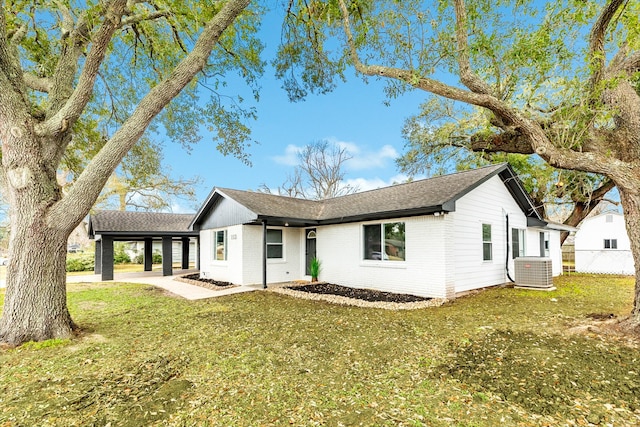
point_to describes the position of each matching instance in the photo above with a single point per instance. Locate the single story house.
(435, 237)
(602, 245)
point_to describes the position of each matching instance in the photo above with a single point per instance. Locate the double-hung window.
(220, 245)
(385, 242)
(275, 247)
(611, 243)
(487, 245)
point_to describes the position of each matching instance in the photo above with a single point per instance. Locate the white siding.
(555, 250)
(340, 249)
(278, 270)
(592, 257)
(229, 270)
(489, 203)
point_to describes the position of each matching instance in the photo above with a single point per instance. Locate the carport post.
(198, 252)
(97, 260)
(107, 258)
(264, 254)
(185, 253)
(167, 256)
(148, 254)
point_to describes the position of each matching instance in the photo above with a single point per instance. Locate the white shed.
(602, 245)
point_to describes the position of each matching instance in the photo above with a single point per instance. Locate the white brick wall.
(229, 270)
(340, 249)
(278, 270)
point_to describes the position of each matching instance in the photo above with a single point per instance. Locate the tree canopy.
(558, 79)
(80, 84)
(439, 140)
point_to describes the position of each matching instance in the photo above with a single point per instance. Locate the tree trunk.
(35, 305)
(630, 200)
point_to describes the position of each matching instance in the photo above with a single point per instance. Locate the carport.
(106, 227)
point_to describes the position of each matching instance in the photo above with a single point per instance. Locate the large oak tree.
(558, 79)
(93, 76)
(440, 138)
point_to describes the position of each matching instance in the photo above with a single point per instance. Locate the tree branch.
(629, 64)
(467, 76)
(41, 84)
(596, 41)
(89, 184)
(509, 141)
(69, 113)
(10, 72)
(66, 27)
(148, 17)
(530, 130)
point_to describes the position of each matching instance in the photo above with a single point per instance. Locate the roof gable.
(421, 197)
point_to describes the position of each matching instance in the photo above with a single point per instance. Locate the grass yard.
(503, 357)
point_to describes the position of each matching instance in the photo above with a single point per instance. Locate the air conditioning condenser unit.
(534, 273)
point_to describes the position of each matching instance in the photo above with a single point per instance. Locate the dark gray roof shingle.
(412, 198)
(274, 205)
(433, 192)
(138, 222)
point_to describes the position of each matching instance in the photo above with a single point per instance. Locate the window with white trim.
(220, 245)
(611, 243)
(275, 245)
(385, 241)
(517, 242)
(487, 245)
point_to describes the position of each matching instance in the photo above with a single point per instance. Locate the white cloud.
(290, 156)
(361, 157)
(176, 207)
(366, 184)
(364, 159)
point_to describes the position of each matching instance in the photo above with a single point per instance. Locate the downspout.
(264, 254)
(506, 265)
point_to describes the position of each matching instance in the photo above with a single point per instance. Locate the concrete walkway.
(155, 278)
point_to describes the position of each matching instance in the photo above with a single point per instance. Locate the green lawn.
(502, 357)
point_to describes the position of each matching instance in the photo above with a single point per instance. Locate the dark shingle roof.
(413, 198)
(273, 205)
(138, 223)
(437, 193)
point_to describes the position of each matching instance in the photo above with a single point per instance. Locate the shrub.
(121, 257)
(156, 258)
(80, 262)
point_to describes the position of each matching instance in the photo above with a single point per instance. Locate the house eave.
(141, 235)
(374, 216)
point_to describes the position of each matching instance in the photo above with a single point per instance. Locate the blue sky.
(353, 115)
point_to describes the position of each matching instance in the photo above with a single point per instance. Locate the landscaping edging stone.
(203, 283)
(337, 299)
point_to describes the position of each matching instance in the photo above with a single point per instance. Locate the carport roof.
(128, 224)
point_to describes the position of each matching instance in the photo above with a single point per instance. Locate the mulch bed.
(195, 279)
(369, 295)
